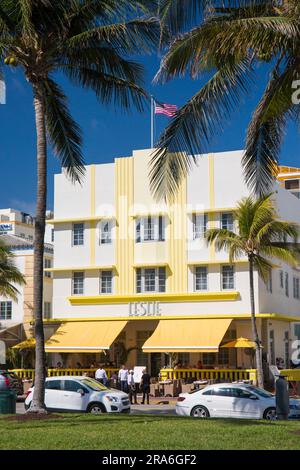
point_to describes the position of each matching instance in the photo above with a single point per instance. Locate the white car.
(231, 401)
(81, 394)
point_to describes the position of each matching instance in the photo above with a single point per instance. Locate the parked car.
(10, 381)
(227, 400)
(83, 394)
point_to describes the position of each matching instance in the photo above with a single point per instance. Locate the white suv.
(83, 394)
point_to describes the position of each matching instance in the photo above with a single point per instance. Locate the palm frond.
(65, 134)
(286, 255)
(263, 267)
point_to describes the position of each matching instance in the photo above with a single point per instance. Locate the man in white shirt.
(123, 378)
(100, 375)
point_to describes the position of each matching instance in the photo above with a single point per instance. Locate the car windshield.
(94, 385)
(259, 391)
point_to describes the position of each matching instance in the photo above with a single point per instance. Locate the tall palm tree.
(261, 237)
(10, 276)
(89, 41)
(229, 43)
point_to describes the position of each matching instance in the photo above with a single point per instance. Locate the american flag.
(164, 108)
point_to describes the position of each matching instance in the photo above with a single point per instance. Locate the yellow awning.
(26, 344)
(199, 335)
(84, 337)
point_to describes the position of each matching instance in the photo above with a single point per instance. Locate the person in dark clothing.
(145, 386)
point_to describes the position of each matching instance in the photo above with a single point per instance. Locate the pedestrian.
(145, 386)
(132, 388)
(100, 375)
(123, 378)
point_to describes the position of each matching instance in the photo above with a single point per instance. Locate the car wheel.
(96, 409)
(270, 414)
(200, 412)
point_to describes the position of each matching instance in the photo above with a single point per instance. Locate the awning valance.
(84, 337)
(199, 335)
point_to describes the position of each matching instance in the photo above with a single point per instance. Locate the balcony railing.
(230, 375)
(28, 374)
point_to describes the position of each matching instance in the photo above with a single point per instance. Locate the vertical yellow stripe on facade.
(177, 281)
(211, 215)
(92, 210)
(125, 228)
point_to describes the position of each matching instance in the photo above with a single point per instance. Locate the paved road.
(135, 409)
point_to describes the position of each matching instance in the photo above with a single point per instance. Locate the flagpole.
(152, 123)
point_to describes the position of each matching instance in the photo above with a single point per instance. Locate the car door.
(53, 394)
(245, 404)
(72, 399)
(219, 402)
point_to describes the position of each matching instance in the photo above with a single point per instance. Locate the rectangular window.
(281, 279)
(78, 283)
(227, 277)
(5, 310)
(201, 278)
(297, 331)
(47, 265)
(150, 229)
(105, 232)
(296, 291)
(272, 348)
(269, 284)
(106, 278)
(286, 284)
(47, 310)
(150, 280)
(287, 349)
(52, 235)
(227, 221)
(199, 225)
(78, 234)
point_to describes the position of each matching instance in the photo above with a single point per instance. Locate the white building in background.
(131, 274)
(17, 231)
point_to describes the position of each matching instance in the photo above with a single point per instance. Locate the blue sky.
(108, 132)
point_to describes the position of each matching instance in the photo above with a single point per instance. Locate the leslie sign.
(144, 309)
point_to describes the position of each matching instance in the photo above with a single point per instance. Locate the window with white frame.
(105, 232)
(150, 229)
(78, 234)
(78, 283)
(47, 310)
(47, 265)
(286, 284)
(52, 235)
(281, 279)
(296, 290)
(6, 310)
(227, 221)
(287, 349)
(106, 282)
(199, 225)
(151, 280)
(200, 278)
(227, 277)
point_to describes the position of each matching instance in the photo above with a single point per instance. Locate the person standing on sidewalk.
(101, 376)
(131, 388)
(123, 378)
(145, 386)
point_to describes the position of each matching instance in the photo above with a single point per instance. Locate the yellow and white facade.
(140, 268)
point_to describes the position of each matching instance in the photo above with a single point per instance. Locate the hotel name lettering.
(144, 309)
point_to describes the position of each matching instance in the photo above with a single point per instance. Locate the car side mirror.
(253, 397)
(81, 391)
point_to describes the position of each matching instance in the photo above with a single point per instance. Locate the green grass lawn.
(147, 432)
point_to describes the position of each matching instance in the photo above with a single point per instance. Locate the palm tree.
(229, 43)
(261, 237)
(88, 41)
(9, 274)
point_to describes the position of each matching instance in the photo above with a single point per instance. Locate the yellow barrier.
(292, 375)
(28, 374)
(231, 375)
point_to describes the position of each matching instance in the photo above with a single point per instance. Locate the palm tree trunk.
(258, 357)
(38, 400)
